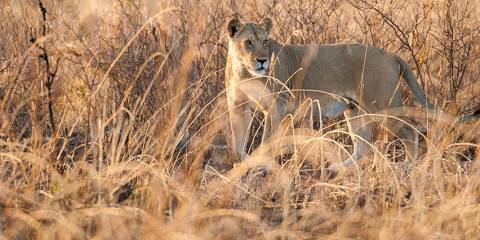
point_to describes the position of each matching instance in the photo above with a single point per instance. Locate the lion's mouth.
(261, 71)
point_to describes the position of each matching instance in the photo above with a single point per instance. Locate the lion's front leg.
(272, 121)
(264, 99)
(240, 121)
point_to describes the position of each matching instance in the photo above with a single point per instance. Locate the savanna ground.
(113, 125)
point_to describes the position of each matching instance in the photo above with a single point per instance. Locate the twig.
(44, 56)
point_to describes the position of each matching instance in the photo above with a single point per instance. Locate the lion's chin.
(262, 72)
(259, 72)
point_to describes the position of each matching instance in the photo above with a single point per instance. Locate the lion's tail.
(413, 84)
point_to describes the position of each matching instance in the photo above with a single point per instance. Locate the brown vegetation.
(113, 125)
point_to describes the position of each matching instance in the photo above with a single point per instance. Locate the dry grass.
(113, 125)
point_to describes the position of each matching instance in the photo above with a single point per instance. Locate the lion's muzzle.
(261, 66)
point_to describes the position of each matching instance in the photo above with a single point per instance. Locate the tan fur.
(334, 78)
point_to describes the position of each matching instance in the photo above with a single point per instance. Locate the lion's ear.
(233, 27)
(266, 24)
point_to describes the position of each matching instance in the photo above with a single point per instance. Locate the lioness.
(352, 73)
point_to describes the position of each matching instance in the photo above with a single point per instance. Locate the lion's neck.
(285, 50)
(289, 57)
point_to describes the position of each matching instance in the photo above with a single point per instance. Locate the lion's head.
(249, 44)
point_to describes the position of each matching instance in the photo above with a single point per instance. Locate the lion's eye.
(265, 41)
(248, 42)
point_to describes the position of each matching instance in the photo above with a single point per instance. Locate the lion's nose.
(261, 60)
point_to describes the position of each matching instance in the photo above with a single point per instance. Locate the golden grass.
(136, 143)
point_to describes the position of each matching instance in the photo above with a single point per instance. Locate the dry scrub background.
(113, 125)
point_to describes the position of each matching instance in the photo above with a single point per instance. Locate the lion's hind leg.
(408, 135)
(360, 128)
